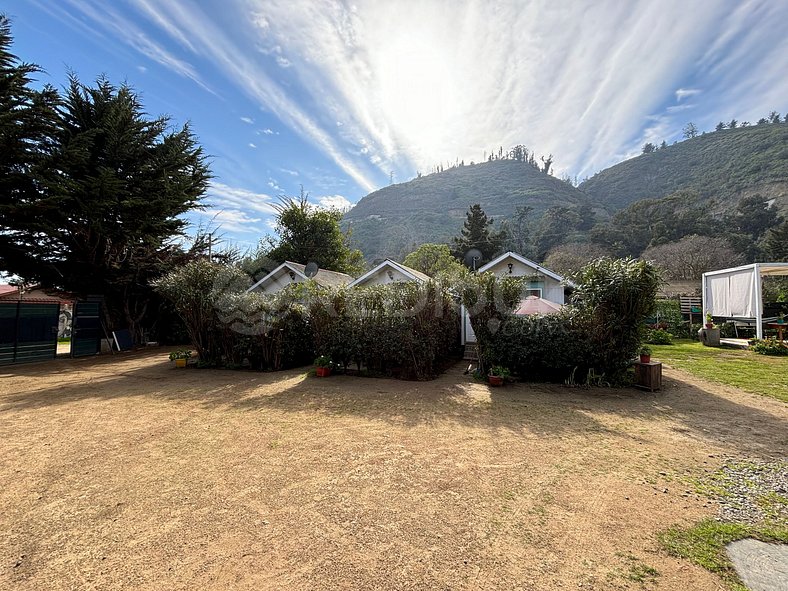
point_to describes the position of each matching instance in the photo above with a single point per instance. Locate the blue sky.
(338, 96)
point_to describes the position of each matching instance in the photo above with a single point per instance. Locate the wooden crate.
(648, 375)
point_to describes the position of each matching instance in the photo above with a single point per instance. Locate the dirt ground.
(125, 473)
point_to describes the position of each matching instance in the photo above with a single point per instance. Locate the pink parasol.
(536, 305)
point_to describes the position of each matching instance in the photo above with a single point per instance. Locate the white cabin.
(544, 283)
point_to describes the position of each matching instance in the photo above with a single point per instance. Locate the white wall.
(381, 277)
(278, 282)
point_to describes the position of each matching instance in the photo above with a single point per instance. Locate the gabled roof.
(323, 277)
(411, 274)
(524, 261)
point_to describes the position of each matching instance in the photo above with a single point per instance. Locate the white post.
(758, 302)
(703, 302)
(462, 325)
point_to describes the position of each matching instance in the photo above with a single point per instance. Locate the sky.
(343, 98)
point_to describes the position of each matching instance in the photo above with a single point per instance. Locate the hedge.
(601, 330)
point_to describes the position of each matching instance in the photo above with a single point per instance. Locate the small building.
(389, 272)
(289, 272)
(542, 283)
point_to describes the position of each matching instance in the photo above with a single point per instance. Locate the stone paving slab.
(761, 566)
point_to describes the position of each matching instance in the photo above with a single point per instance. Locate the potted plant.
(709, 320)
(645, 354)
(323, 365)
(180, 357)
(497, 375)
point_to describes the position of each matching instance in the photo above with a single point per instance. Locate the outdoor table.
(779, 327)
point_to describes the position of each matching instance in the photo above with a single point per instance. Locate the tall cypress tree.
(477, 233)
(96, 191)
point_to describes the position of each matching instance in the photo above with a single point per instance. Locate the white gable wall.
(278, 281)
(551, 289)
(381, 277)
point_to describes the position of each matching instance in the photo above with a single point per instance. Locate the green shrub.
(602, 331)
(668, 316)
(659, 337)
(768, 347)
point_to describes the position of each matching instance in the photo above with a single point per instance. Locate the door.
(86, 329)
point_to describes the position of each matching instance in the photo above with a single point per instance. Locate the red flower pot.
(709, 325)
(495, 380)
(323, 372)
(645, 359)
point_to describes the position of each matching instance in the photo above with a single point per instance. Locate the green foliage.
(306, 233)
(229, 326)
(404, 330)
(645, 350)
(668, 317)
(768, 347)
(720, 165)
(477, 233)
(434, 260)
(180, 354)
(617, 295)
(389, 222)
(659, 337)
(93, 190)
(500, 371)
(602, 331)
(323, 361)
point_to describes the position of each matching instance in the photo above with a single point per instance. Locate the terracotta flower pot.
(645, 359)
(180, 362)
(709, 325)
(495, 380)
(323, 372)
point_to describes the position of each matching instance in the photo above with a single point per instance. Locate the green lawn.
(760, 374)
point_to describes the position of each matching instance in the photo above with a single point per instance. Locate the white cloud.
(228, 52)
(231, 220)
(334, 202)
(221, 196)
(142, 69)
(268, 131)
(683, 93)
(283, 62)
(288, 171)
(381, 86)
(251, 145)
(135, 37)
(248, 120)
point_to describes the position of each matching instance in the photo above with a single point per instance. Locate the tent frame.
(758, 270)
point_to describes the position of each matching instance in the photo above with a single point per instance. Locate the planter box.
(180, 362)
(495, 380)
(323, 372)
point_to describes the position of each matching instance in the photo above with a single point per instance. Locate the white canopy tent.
(736, 293)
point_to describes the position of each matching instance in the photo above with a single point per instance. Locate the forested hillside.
(725, 165)
(431, 208)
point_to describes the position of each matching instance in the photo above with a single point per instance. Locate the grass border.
(704, 544)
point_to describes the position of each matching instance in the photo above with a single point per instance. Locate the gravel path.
(751, 492)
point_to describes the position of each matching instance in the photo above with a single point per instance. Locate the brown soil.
(125, 473)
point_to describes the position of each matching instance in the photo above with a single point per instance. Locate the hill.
(724, 165)
(431, 208)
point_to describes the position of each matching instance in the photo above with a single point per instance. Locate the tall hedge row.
(405, 330)
(402, 330)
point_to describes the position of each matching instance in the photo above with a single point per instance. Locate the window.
(534, 292)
